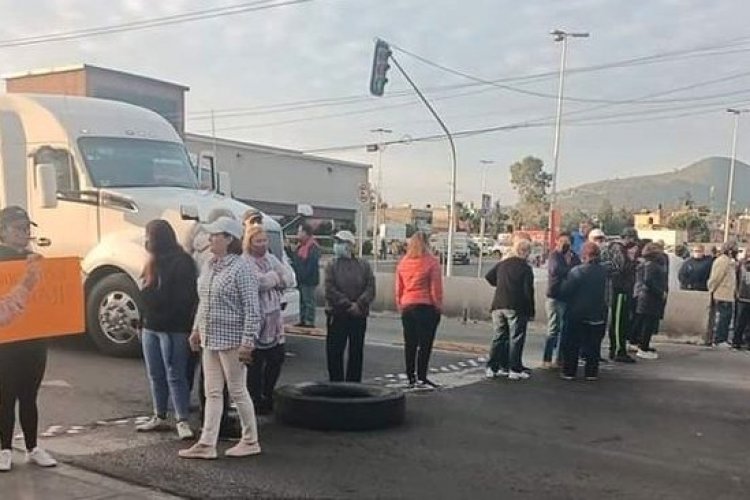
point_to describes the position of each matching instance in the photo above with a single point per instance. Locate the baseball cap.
(226, 225)
(14, 213)
(346, 236)
(596, 234)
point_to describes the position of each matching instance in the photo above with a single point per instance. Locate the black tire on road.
(339, 406)
(119, 284)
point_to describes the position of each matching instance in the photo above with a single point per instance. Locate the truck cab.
(92, 173)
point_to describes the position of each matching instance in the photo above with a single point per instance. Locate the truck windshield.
(126, 162)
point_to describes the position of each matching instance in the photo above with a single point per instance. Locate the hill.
(696, 181)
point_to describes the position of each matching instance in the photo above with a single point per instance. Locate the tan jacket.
(723, 280)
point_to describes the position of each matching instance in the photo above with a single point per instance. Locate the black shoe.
(624, 358)
(526, 369)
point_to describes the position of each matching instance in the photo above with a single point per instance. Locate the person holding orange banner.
(22, 363)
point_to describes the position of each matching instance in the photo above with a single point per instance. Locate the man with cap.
(349, 291)
(621, 264)
(22, 363)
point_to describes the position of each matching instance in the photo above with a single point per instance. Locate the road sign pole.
(481, 244)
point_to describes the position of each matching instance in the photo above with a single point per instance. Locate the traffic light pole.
(452, 211)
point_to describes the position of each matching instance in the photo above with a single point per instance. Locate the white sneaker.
(490, 373)
(724, 345)
(502, 372)
(632, 347)
(647, 354)
(184, 431)
(518, 375)
(40, 457)
(154, 424)
(6, 460)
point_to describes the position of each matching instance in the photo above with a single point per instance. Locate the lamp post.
(483, 220)
(378, 196)
(559, 36)
(730, 188)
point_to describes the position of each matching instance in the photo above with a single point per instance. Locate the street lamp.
(730, 188)
(559, 36)
(378, 196)
(482, 221)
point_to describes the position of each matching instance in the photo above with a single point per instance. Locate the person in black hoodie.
(584, 292)
(512, 308)
(743, 302)
(651, 298)
(695, 271)
(170, 299)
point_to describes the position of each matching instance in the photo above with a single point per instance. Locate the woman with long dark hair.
(419, 297)
(170, 299)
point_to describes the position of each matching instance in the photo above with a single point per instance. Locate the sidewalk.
(64, 482)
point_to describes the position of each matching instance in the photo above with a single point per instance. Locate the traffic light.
(380, 67)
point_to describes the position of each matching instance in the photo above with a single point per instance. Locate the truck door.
(70, 229)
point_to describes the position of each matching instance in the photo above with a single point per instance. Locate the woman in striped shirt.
(226, 327)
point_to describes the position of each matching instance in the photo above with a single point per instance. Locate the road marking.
(454, 368)
(402, 376)
(56, 383)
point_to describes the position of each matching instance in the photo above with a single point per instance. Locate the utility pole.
(378, 197)
(559, 36)
(730, 188)
(483, 220)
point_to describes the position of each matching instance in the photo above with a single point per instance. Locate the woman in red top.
(419, 297)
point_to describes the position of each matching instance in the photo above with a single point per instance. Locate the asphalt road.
(672, 429)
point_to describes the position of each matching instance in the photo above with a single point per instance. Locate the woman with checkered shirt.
(226, 327)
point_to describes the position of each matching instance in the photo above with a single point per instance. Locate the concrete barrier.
(686, 315)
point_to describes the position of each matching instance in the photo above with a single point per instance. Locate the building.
(419, 218)
(649, 220)
(276, 180)
(165, 98)
(272, 179)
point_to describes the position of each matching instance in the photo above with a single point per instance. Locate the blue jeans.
(723, 319)
(166, 356)
(307, 305)
(556, 310)
(506, 350)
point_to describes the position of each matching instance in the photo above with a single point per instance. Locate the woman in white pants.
(226, 327)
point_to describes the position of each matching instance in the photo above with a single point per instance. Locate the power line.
(230, 10)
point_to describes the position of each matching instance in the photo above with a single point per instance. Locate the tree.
(531, 183)
(612, 222)
(695, 225)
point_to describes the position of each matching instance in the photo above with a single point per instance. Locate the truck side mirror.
(225, 184)
(304, 210)
(46, 178)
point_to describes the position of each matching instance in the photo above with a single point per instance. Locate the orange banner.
(55, 307)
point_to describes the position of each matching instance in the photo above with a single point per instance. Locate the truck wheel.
(113, 315)
(339, 406)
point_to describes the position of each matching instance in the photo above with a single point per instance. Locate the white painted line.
(454, 368)
(47, 434)
(390, 375)
(102, 422)
(462, 364)
(473, 363)
(434, 370)
(56, 383)
(402, 376)
(444, 369)
(482, 360)
(54, 428)
(78, 427)
(378, 379)
(73, 431)
(121, 422)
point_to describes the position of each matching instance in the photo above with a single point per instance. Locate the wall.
(67, 83)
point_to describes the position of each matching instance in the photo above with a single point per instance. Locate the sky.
(246, 65)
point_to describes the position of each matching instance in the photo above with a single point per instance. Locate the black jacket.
(651, 287)
(171, 301)
(513, 280)
(694, 274)
(349, 281)
(584, 292)
(621, 267)
(557, 271)
(743, 280)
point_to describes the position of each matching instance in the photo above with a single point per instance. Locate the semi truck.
(92, 173)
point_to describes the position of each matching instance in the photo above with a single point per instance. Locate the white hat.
(596, 233)
(226, 225)
(346, 236)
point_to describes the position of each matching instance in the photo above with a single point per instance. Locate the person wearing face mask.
(743, 302)
(274, 277)
(349, 291)
(695, 271)
(561, 261)
(22, 363)
(621, 265)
